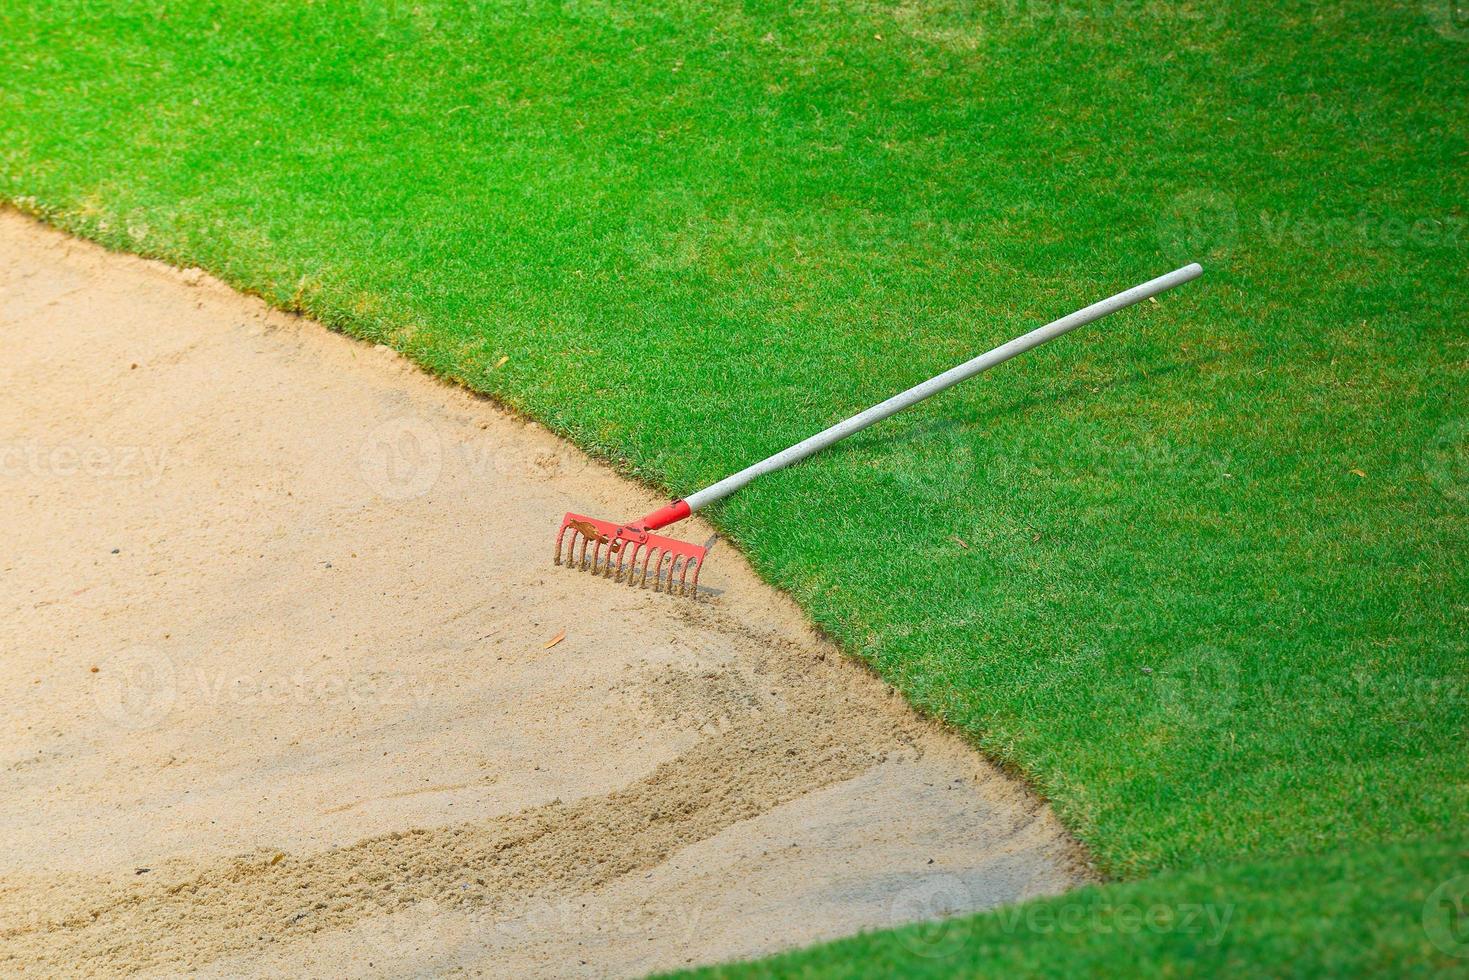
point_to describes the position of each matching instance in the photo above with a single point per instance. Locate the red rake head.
(627, 551)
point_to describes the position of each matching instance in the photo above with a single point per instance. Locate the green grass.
(1212, 602)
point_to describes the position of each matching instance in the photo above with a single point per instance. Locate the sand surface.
(280, 694)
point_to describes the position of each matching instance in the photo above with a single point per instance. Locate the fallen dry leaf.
(501, 362)
(1359, 473)
(554, 640)
(959, 541)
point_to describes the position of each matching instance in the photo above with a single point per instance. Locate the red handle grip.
(663, 516)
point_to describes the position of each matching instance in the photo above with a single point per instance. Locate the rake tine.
(682, 579)
(694, 587)
(647, 561)
(658, 572)
(632, 562)
(559, 537)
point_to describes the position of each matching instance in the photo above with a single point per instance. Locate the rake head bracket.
(631, 552)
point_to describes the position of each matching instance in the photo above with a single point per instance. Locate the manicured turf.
(1198, 572)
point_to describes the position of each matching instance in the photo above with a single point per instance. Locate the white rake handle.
(942, 382)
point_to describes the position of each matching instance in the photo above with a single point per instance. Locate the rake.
(631, 552)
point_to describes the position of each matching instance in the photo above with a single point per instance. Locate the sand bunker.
(275, 706)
